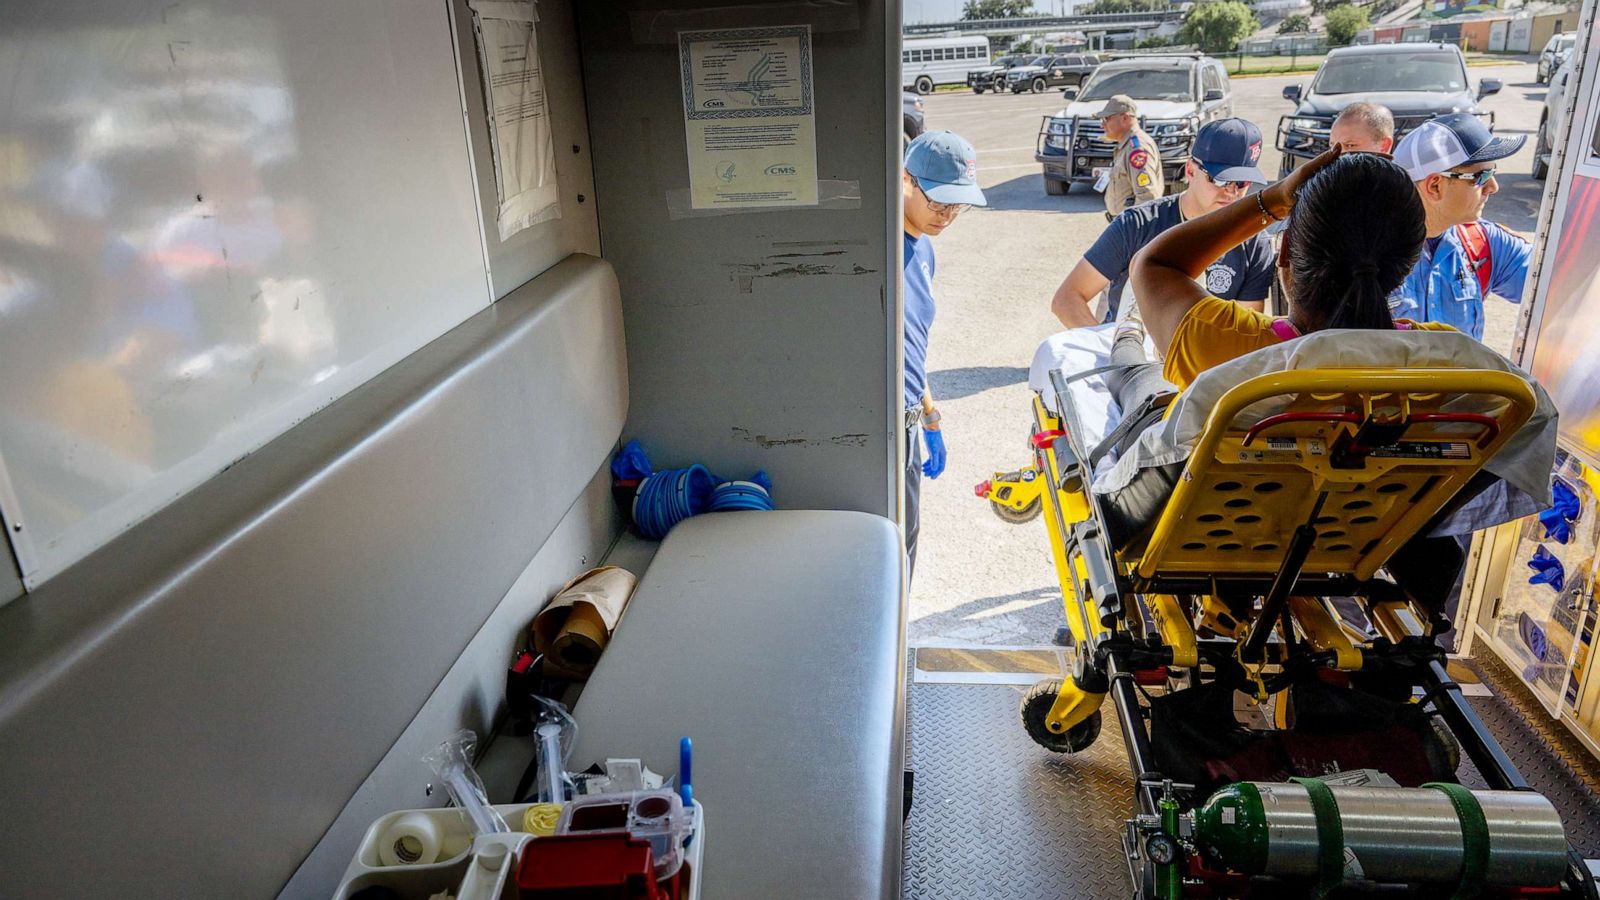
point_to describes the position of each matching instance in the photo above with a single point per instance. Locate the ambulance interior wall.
(222, 216)
(321, 566)
(763, 339)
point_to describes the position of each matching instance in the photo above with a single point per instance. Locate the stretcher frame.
(1375, 427)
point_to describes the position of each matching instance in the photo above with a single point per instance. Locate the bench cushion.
(776, 641)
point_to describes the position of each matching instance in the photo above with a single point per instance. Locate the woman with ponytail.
(1355, 230)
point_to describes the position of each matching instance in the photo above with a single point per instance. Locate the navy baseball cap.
(1458, 139)
(1228, 149)
(947, 168)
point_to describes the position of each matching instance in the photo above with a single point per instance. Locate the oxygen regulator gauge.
(1162, 848)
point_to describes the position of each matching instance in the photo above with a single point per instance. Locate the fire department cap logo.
(972, 167)
(1255, 152)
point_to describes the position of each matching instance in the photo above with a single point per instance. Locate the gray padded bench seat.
(776, 641)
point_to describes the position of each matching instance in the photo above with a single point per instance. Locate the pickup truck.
(1415, 81)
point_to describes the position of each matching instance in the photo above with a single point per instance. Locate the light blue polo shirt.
(918, 296)
(1443, 288)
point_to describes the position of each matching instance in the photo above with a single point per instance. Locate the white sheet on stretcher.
(1079, 350)
(1522, 465)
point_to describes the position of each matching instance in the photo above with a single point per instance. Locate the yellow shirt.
(1214, 331)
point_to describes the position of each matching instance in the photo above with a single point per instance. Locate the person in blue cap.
(940, 181)
(1452, 161)
(1224, 164)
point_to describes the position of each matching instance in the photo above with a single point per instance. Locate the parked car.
(1048, 72)
(992, 77)
(1415, 81)
(1176, 95)
(1023, 63)
(1551, 121)
(911, 104)
(1553, 49)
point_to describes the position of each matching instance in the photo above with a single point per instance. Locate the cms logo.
(712, 104)
(782, 169)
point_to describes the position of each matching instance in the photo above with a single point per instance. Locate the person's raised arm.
(1163, 273)
(1074, 299)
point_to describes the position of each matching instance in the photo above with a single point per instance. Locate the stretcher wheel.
(1444, 751)
(1018, 516)
(1036, 706)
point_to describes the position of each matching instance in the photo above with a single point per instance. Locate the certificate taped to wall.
(748, 115)
(519, 114)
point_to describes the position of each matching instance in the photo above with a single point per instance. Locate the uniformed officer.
(1136, 163)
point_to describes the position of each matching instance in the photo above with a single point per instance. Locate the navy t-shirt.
(1243, 273)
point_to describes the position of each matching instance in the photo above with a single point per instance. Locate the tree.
(1218, 26)
(997, 9)
(1343, 22)
(1151, 43)
(1298, 23)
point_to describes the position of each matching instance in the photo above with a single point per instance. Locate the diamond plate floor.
(995, 816)
(998, 817)
(1552, 761)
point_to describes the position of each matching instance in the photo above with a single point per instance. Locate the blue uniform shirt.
(1443, 287)
(919, 315)
(1243, 273)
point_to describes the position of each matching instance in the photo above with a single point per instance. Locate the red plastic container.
(606, 866)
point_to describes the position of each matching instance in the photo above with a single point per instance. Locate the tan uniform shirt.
(1135, 172)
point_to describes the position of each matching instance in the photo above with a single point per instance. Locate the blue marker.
(686, 771)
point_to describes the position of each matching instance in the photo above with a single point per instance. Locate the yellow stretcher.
(1228, 591)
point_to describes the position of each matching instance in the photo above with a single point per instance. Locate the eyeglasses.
(1223, 185)
(1478, 179)
(941, 209)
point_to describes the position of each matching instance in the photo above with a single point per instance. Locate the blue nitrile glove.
(1547, 570)
(1562, 515)
(630, 463)
(933, 466)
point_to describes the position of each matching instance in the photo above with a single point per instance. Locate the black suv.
(1415, 81)
(1062, 70)
(993, 77)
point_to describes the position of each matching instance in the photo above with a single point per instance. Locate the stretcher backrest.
(1366, 456)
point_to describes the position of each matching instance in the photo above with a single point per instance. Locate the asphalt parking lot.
(980, 580)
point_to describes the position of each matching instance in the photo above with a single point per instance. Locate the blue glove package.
(1562, 515)
(1547, 570)
(933, 466)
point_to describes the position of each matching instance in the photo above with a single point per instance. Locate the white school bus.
(926, 63)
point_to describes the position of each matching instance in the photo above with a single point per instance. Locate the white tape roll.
(412, 840)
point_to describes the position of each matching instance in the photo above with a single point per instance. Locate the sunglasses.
(1478, 179)
(940, 209)
(1224, 185)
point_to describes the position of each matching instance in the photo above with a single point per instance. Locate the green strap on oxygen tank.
(1474, 839)
(1330, 835)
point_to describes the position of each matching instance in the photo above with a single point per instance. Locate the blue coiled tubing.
(665, 498)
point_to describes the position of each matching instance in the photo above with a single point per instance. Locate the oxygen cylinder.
(1390, 834)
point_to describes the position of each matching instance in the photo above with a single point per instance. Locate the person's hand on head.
(1278, 197)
